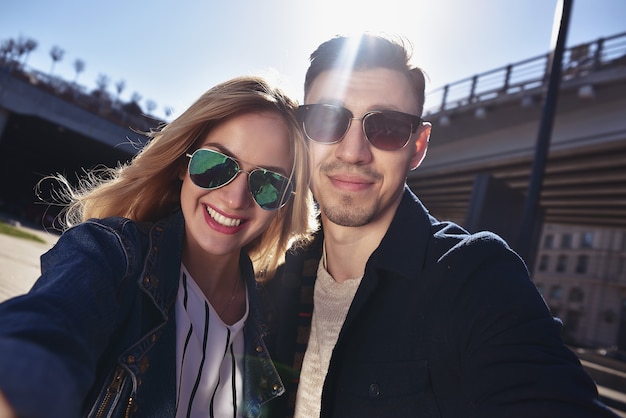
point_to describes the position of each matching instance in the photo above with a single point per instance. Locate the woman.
(147, 306)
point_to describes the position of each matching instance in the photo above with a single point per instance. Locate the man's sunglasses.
(209, 169)
(387, 130)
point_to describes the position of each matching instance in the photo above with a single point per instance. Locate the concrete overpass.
(49, 126)
(487, 125)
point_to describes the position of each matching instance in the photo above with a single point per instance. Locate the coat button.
(374, 391)
(259, 349)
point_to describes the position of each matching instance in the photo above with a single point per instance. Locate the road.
(19, 261)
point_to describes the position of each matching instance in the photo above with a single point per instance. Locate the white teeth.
(221, 219)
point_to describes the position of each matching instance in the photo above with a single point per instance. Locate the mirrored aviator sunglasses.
(209, 170)
(388, 130)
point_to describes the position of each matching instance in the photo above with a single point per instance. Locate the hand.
(5, 409)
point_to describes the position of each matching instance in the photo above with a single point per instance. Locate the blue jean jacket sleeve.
(51, 338)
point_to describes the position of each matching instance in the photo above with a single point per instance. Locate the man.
(412, 316)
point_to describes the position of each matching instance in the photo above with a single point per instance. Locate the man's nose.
(354, 148)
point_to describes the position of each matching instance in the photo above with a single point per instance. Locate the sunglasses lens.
(325, 123)
(270, 190)
(387, 130)
(209, 169)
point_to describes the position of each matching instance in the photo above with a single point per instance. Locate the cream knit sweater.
(331, 301)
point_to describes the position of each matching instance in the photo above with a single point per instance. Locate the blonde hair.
(148, 188)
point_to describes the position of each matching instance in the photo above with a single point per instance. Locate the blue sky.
(170, 52)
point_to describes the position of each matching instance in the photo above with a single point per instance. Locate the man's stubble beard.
(346, 212)
(343, 209)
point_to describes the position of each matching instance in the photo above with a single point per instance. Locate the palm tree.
(28, 46)
(79, 67)
(20, 48)
(135, 98)
(56, 54)
(150, 106)
(7, 50)
(119, 88)
(102, 83)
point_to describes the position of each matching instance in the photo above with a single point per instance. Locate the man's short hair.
(372, 51)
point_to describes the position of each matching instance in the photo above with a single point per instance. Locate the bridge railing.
(100, 102)
(528, 74)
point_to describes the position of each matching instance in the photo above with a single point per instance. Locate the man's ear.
(420, 144)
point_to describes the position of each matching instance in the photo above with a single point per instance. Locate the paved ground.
(19, 262)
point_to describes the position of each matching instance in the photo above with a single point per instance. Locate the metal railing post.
(528, 229)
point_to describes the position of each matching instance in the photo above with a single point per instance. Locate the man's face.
(355, 183)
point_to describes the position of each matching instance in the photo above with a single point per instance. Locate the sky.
(171, 52)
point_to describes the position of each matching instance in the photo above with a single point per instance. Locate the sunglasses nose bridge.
(236, 194)
(349, 124)
(247, 173)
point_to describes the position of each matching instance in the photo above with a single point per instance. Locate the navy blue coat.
(96, 334)
(444, 324)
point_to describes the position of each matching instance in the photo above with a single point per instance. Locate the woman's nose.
(236, 194)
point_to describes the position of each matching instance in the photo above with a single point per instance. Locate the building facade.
(581, 273)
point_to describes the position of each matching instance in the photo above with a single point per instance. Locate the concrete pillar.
(4, 118)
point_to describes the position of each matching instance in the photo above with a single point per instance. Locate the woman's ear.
(421, 145)
(182, 172)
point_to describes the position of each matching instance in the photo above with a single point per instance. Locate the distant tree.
(56, 54)
(135, 98)
(119, 88)
(20, 48)
(168, 111)
(133, 106)
(27, 46)
(102, 82)
(7, 49)
(150, 106)
(79, 67)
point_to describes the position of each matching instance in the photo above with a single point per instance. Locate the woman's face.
(223, 220)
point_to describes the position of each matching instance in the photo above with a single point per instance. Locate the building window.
(586, 240)
(556, 292)
(621, 269)
(576, 295)
(543, 262)
(566, 241)
(609, 316)
(561, 264)
(548, 241)
(581, 264)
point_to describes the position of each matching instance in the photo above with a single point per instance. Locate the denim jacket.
(96, 336)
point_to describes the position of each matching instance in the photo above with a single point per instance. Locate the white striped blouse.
(209, 356)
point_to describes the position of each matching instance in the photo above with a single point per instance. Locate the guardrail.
(528, 74)
(99, 102)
